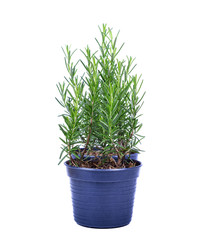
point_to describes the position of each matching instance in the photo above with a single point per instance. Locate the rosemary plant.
(101, 108)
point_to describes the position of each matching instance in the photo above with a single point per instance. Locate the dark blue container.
(103, 198)
(133, 156)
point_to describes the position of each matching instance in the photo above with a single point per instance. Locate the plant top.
(101, 107)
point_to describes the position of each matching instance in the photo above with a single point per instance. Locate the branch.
(119, 157)
(88, 138)
(90, 130)
(70, 155)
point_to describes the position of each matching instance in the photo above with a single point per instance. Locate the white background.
(173, 44)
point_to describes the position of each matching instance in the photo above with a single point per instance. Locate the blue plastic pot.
(133, 156)
(103, 198)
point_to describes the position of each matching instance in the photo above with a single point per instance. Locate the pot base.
(104, 227)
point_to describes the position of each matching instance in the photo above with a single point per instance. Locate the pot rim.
(103, 170)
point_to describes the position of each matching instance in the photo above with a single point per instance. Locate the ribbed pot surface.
(103, 198)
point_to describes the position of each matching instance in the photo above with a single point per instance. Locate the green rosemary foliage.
(71, 93)
(105, 113)
(91, 100)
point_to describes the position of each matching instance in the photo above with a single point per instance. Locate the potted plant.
(100, 133)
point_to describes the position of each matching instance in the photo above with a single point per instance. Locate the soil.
(100, 163)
